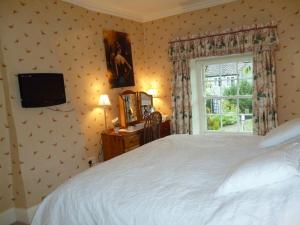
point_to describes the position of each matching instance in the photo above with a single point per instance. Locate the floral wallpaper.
(47, 147)
(6, 187)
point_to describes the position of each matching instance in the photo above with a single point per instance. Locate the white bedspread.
(171, 181)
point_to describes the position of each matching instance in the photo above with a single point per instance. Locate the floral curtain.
(264, 92)
(182, 117)
(261, 40)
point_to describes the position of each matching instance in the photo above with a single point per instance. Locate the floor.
(18, 223)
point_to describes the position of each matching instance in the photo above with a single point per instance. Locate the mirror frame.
(122, 111)
(140, 103)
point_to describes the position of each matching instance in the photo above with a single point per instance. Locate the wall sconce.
(152, 92)
(104, 102)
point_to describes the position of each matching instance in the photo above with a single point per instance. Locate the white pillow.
(282, 133)
(267, 168)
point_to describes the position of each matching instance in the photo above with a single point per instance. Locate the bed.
(173, 181)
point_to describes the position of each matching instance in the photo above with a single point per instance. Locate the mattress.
(172, 181)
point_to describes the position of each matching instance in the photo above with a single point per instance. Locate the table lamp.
(104, 102)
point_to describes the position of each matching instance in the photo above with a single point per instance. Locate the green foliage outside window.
(214, 122)
(230, 106)
(245, 88)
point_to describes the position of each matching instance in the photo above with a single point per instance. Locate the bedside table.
(114, 144)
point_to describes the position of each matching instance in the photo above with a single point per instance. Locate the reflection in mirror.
(146, 104)
(130, 107)
(129, 112)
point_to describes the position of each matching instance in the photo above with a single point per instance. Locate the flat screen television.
(41, 89)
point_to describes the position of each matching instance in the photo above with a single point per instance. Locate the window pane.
(213, 106)
(230, 123)
(213, 123)
(227, 94)
(229, 86)
(229, 69)
(245, 106)
(229, 105)
(212, 88)
(245, 87)
(212, 70)
(246, 123)
(245, 69)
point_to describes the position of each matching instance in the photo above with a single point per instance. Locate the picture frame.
(119, 63)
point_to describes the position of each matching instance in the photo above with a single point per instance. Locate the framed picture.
(118, 59)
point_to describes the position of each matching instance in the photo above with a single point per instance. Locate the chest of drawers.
(115, 144)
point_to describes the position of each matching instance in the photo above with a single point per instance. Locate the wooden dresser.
(115, 144)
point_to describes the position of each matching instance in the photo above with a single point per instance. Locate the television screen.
(41, 89)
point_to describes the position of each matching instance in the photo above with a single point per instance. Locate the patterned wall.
(53, 36)
(6, 188)
(244, 12)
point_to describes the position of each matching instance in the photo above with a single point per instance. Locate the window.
(222, 94)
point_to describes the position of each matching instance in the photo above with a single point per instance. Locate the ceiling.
(146, 10)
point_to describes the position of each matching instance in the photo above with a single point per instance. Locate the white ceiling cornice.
(141, 16)
(94, 5)
(186, 8)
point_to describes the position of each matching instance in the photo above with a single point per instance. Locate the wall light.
(152, 92)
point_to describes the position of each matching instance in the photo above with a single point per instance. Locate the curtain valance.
(234, 41)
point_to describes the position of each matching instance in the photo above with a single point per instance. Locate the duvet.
(172, 181)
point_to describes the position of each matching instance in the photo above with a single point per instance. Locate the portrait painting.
(118, 59)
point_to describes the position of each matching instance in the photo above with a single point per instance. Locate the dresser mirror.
(129, 112)
(134, 107)
(145, 104)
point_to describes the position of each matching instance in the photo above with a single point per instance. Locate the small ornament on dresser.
(116, 124)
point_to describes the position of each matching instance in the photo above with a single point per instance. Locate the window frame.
(199, 98)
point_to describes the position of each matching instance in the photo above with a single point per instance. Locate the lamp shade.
(104, 100)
